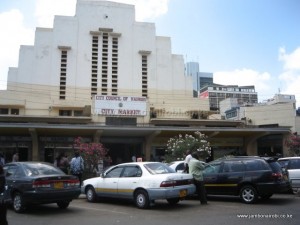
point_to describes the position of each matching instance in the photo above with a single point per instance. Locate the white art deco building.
(106, 77)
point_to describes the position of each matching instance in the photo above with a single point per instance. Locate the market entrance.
(123, 152)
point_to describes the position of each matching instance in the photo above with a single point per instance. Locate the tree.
(293, 143)
(178, 145)
(91, 153)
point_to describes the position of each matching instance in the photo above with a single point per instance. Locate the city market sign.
(120, 105)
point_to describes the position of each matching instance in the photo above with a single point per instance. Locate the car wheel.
(18, 203)
(91, 194)
(63, 204)
(142, 199)
(173, 201)
(248, 194)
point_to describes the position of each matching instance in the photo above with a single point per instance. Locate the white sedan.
(142, 182)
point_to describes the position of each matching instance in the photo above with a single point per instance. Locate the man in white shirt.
(186, 161)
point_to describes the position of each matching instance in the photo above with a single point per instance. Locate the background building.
(200, 79)
(216, 93)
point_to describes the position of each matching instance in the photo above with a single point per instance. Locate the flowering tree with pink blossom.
(293, 143)
(92, 153)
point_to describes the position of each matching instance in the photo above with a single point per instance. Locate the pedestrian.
(3, 206)
(186, 161)
(62, 162)
(196, 169)
(77, 166)
(107, 162)
(15, 157)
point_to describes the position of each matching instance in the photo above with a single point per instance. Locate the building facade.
(200, 79)
(107, 78)
(216, 93)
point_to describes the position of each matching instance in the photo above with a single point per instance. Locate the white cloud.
(246, 77)
(291, 74)
(11, 38)
(291, 61)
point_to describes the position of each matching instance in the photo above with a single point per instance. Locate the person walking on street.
(77, 166)
(62, 162)
(3, 206)
(196, 169)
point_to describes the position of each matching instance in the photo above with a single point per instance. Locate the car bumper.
(171, 192)
(35, 197)
(274, 188)
(295, 184)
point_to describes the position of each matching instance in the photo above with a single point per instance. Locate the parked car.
(246, 177)
(141, 182)
(292, 166)
(178, 166)
(39, 183)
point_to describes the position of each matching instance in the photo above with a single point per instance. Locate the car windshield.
(158, 168)
(37, 169)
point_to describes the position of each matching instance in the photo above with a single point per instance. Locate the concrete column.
(97, 136)
(250, 143)
(148, 144)
(35, 144)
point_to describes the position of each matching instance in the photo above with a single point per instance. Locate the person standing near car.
(3, 207)
(196, 169)
(77, 166)
(186, 161)
(15, 157)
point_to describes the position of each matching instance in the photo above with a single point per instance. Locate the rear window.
(294, 164)
(37, 169)
(276, 168)
(254, 165)
(158, 168)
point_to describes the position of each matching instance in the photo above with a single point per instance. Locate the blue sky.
(243, 42)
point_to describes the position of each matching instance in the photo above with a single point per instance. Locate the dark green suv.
(248, 177)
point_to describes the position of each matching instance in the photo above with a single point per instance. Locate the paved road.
(280, 209)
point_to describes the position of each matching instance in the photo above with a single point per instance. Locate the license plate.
(182, 193)
(58, 185)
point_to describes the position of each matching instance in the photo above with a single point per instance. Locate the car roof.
(136, 163)
(239, 158)
(28, 162)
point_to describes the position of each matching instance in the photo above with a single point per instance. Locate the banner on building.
(120, 105)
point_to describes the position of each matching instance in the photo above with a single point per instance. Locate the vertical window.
(144, 75)
(63, 71)
(94, 75)
(104, 71)
(114, 66)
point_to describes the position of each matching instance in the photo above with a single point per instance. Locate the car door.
(231, 176)
(129, 180)
(107, 186)
(210, 176)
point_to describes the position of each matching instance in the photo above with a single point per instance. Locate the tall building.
(216, 93)
(107, 78)
(200, 79)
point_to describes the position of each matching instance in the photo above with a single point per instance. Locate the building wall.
(36, 81)
(281, 114)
